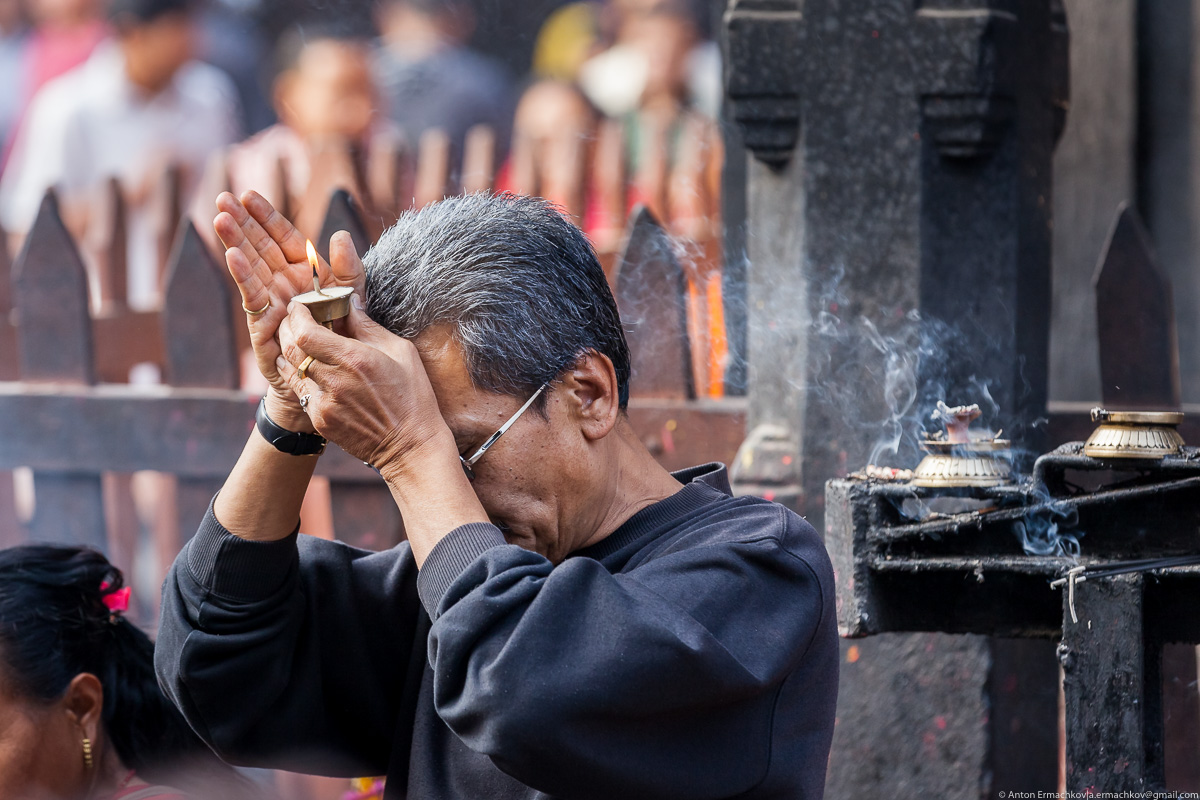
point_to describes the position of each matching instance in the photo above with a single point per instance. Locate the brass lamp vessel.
(1134, 434)
(960, 457)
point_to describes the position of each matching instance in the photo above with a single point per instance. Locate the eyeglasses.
(469, 463)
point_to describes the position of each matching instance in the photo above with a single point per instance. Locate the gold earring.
(87, 753)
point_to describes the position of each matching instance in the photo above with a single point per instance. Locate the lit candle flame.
(312, 260)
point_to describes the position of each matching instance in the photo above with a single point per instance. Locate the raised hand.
(367, 391)
(267, 258)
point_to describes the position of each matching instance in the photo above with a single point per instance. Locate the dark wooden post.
(167, 207)
(1135, 313)
(1139, 369)
(114, 256)
(55, 337)
(342, 214)
(651, 291)
(201, 349)
(1112, 687)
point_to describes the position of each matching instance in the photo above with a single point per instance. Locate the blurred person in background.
(14, 36)
(672, 153)
(430, 80)
(616, 78)
(554, 131)
(63, 35)
(231, 38)
(324, 96)
(139, 105)
(81, 714)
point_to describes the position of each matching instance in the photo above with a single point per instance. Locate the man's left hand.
(367, 391)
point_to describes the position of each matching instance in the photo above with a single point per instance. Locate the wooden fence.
(76, 431)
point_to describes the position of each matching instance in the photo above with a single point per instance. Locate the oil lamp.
(328, 304)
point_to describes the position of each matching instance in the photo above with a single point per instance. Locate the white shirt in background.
(92, 123)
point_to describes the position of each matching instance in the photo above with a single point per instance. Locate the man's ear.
(591, 388)
(83, 702)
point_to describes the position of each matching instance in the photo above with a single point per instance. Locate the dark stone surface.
(903, 252)
(1104, 661)
(1093, 174)
(911, 720)
(1168, 160)
(762, 75)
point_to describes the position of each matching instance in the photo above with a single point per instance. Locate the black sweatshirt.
(690, 654)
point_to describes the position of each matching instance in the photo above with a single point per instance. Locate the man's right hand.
(268, 260)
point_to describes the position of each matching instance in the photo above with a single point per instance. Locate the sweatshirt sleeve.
(653, 683)
(291, 654)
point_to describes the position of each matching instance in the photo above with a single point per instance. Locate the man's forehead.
(443, 358)
(465, 407)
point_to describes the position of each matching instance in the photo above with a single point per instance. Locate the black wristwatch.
(294, 443)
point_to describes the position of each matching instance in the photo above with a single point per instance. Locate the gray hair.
(519, 284)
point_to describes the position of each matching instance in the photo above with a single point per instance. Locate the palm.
(266, 256)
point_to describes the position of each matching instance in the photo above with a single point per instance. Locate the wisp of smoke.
(1040, 533)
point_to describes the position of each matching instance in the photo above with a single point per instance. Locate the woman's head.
(72, 669)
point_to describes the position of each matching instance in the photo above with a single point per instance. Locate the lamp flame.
(312, 261)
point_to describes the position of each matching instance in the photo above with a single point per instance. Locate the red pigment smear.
(940, 722)
(769, 496)
(787, 460)
(852, 654)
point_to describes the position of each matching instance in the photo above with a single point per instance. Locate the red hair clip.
(116, 601)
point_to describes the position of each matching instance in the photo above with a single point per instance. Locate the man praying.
(566, 618)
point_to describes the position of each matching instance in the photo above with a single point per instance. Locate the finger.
(346, 266)
(366, 330)
(256, 238)
(232, 235)
(311, 339)
(291, 358)
(249, 280)
(281, 231)
(291, 375)
(287, 343)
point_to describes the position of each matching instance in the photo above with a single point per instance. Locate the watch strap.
(294, 443)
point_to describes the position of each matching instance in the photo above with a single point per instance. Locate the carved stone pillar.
(899, 250)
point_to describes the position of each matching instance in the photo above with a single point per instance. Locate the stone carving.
(968, 60)
(971, 61)
(763, 46)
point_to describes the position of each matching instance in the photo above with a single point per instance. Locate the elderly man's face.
(533, 481)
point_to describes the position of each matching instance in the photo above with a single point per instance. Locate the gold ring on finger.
(302, 371)
(262, 310)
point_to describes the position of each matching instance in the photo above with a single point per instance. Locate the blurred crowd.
(102, 89)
